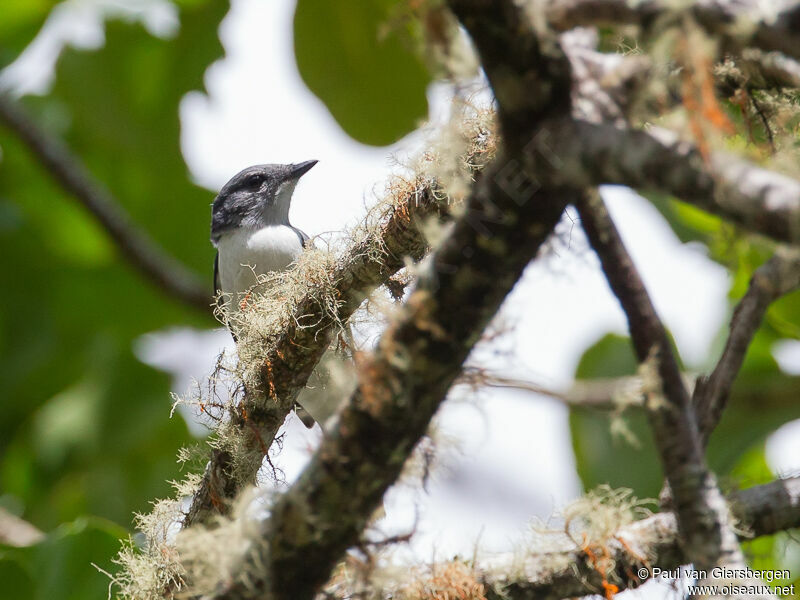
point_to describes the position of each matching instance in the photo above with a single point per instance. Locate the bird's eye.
(253, 181)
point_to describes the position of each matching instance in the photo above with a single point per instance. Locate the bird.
(250, 226)
(251, 232)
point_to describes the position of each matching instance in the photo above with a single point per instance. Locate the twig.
(765, 122)
(701, 510)
(778, 276)
(161, 269)
(603, 394)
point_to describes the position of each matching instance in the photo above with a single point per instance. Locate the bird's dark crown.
(256, 196)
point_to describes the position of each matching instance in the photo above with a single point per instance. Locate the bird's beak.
(302, 168)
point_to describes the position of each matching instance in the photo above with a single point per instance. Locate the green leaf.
(17, 579)
(60, 566)
(85, 425)
(363, 70)
(20, 22)
(762, 400)
(604, 458)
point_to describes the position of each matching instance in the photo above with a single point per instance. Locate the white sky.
(513, 459)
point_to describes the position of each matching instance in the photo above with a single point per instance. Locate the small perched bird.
(250, 229)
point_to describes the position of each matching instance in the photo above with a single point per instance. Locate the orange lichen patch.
(420, 305)
(601, 561)
(270, 379)
(452, 581)
(593, 523)
(642, 560)
(372, 381)
(258, 437)
(245, 302)
(697, 91)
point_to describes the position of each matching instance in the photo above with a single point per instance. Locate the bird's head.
(257, 196)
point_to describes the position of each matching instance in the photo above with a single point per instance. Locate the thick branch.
(293, 358)
(402, 386)
(164, 271)
(701, 510)
(778, 276)
(740, 23)
(420, 355)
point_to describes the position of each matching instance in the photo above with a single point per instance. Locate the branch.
(778, 276)
(596, 147)
(401, 388)
(756, 69)
(759, 200)
(420, 355)
(553, 566)
(284, 357)
(740, 23)
(161, 269)
(760, 510)
(289, 359)
(701, 510)
(602, 394)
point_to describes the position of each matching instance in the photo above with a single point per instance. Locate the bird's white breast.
(245, 254)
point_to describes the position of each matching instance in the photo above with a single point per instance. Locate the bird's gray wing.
(218, 285)
(305, 241)
(304, 415)
(216, 273)
(218, 294)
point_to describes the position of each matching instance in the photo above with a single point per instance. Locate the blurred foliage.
(85, 428)
(358, 63)
(619, 449)
(763, 398)
(19, 24)
(62, 566)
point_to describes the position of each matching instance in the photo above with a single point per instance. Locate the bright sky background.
(511, 458)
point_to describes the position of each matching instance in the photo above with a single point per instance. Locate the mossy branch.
(290, 357)
(743, 23)
(401, 385)
(700, 508)
(651, 542)
(280, 355)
